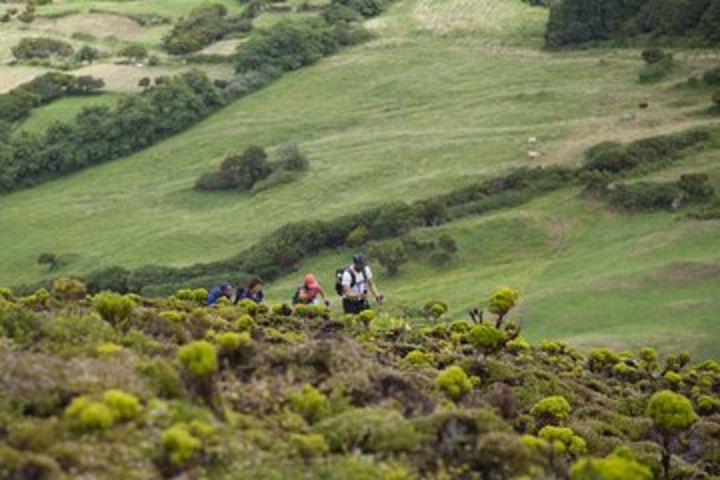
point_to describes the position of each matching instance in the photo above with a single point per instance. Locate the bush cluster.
(99, 134)
(17, 104)
(577, 22)
(204, 25)
(41, 47)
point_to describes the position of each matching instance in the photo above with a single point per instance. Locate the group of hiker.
(354, 283)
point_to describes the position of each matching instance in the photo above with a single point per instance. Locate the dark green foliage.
(712, 76)
(577, 22)
(114, 279)
(391, 255)
(243, 171)
(134, 53)
(86, 54)
(695, 186)
(645, 196)
(42, 90)
(99, 134)
(653, 55)
(656, 71)
(204, 25)
(41, 47)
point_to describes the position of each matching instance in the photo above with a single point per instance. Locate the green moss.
(454, 382)
(551, 410)
(124, 406)
(179, 444)
(671, 412)
(244, 323)
(95, 416)
(199, 357)
(310, 403)
(708, 405)
(674, 380)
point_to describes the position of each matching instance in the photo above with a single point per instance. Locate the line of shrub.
(100, 134)
(644, 196)
(17, 104)
(204, 25)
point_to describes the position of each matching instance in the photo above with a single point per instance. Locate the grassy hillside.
(122, 386)
(447, 92)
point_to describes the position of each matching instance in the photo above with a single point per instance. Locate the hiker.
(354, 283)
(216, 293)
(253, 291)
(309, 291)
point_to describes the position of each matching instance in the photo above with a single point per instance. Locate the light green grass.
(587, 275)
(170, 8)
(64, 110)
(420, 110)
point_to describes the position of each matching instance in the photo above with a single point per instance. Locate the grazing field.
(446, 93)
(64, 109)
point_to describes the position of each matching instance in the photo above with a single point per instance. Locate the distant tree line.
(577, 22)
(17, 104)
(99, 134)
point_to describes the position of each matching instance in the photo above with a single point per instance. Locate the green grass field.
(447, 92)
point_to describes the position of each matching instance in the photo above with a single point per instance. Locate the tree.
(671, 413)
(87, 54)
(291, 158)
(134, 53)
(502, 300)
(246, 169)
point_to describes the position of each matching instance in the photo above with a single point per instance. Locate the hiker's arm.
(374, 290)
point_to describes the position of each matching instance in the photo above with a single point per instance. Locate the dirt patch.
(11, 77)
(223, 47)
(95, 24)
(688, 271)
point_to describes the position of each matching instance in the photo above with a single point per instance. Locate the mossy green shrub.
(108, 349)
(69, 289)
(649, 360)
(185, 294)
(518, 346)
(626, 372)
(609, 468)
(454, 382)
(37, 301)
(172, 316)
(674, 380)
(113, 307)
(21, 325)
(179, 444)
(435, 309)
(7, 295)
(84, 331)
(244, 323)
(232, 341)
(89, 416)
(708, 405)
(487, 339)
(162, 377)
(309, 446)
(367, 316)
(552, 347)
(199, 358)
(124, 406)
(310, 403)
(602, 359)
(200, 295)
(563, 440)
(419, 358)
(551, 410)
(249, 307)
(671, 413)
(372, 430)
(502, 300)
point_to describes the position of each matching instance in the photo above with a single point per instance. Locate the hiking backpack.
(353, 280)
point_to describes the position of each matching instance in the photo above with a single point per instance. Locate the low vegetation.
(170, 387)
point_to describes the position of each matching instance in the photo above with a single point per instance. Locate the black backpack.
(339, 276)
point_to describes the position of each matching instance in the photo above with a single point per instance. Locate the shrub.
(289, 157)
(695, 185)
(310, 403)
(309, 446)
(113, 307)
(205, 24)
(124, 406)
(418, 358)
(642, 196)
(90, 416)
(198, 357)
(371, 430)
(712, 76)
(179, 444)
(670, 412)
(674, 379)
(563, 440)
(7, 295)
(653, 55)
(517, 346)
(41, 47)
(69, 289)
(601, 359)
(391, 255)
(358, 236)
(708, 405)
(86, 54)
(551, 410)
(231, 341)
(243, 171)
(113, 279)
(454, 382)
(134, 53)
(610, 468)
(487, 338)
